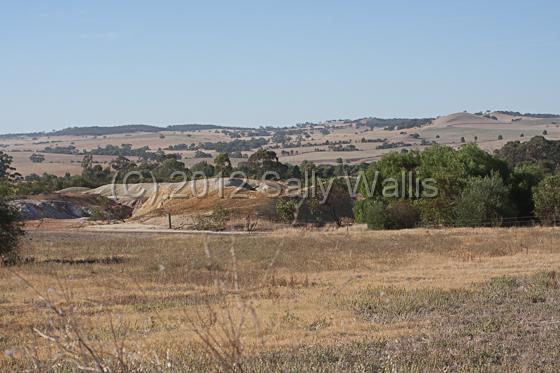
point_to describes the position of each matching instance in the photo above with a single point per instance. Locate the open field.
(458, 299)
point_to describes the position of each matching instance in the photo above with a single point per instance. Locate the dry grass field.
(293, 300)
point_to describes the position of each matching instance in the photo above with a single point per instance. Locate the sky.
(253, 63)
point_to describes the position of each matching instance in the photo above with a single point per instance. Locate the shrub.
(547, 200)
(285, 209)
(10, 233)
(216, 221)
(435, 211)
(37, 158)
(376, 217)
(360, 210)
(402, 215)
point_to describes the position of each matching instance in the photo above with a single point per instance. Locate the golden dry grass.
(145, 290)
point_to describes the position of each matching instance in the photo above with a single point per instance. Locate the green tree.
(477, 162)
(203, 168)
(391, 166)
(547, 200)
(7, 172)
(170, 169)
(222, 164)
(263, 161)
(376, 217)
(10, 233)
(122, 164)
(361, 208)
(483, 201)
(94, 174)
(8, 175)
(523, 179)
(448, 170)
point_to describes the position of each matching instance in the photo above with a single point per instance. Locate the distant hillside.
(390, 124)
(370, 122)
(101, 131)
(529, 115)
(129, 128)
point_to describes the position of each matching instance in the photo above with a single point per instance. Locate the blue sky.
(72, 63)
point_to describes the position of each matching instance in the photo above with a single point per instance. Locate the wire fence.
(517, 221)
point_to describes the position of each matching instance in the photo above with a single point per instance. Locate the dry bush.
(73, 344)
(216, 221)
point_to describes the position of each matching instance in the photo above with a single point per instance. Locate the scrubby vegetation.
(474, 188)
(530, 115)
(236, 145)
(540, 151)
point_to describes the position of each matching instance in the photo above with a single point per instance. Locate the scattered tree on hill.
(500, 137)
(171, 169)
(222, 164)
(122, 164)
(94, 174)
(203, 168)
(201, 154)
(37, 158)
(538, 150)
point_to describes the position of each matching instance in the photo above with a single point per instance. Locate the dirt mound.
(186, 202)
(67, 206)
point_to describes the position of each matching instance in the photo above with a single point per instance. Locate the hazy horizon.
(253, 64)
